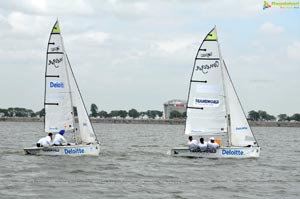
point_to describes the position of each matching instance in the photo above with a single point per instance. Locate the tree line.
(264, 116)
(21, 112)
(132, 113)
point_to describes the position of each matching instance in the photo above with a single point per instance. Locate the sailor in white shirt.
(192, 144)
(45, 141)
(202, 145)
(212, 146)
(59, 139)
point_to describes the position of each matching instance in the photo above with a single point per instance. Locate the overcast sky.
(139, 54)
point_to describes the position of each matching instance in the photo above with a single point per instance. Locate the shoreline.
(151, 121)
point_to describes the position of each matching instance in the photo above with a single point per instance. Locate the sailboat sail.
(86, 131)
(240, 131)
(58, 101)
(62, 93)
(206, 110)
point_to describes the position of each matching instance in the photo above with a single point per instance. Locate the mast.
(225, 94)
(46, 78)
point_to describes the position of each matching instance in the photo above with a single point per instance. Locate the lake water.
(134, 164)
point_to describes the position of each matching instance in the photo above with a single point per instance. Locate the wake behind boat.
(214, 108)
(61, 96)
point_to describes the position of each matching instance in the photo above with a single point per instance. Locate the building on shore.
(174, 105)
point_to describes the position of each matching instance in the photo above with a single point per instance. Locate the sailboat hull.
(73, 150)
(223, 152)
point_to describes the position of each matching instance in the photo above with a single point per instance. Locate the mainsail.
(62, 93)
(58, 101)
(206, 109)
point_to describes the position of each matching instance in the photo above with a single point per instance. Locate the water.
(134, 164)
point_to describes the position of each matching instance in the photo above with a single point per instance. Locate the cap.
(212, 138)
(62, 132)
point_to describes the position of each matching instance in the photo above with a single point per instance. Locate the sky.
(139, 54)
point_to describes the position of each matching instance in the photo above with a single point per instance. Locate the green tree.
(133, 113)
(114, 113)
(282, 117)
(103, 114)
(41, 113)
(296, 117)
(151, 114)
(94, 110)
(20, 112)
(175, 115)
(122, 113)
(4, 111)
(159, 113)
(253, 115)
(142, 114)
(263, 115)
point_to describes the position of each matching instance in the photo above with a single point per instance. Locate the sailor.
(202, 146)
(45, 141)
(59, 139)
(192, 144)
(212, 146)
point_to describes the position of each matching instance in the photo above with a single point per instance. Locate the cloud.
(172, 46)
(21, 23)
(91, 37)
(127, 9)
(293, 51)
(271, 29)
(37, 5)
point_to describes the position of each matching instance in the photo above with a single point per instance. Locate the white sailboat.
(61, 96)
(214, 108)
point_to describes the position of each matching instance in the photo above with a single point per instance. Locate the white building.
(174, 105)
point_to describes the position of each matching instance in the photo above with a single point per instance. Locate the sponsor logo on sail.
(55, 62)
(206, 102)
(206, 54)
(74, 151)
(57, 85)
(206, 67)
(53, 128)
(232, 152)
(55, 49)
(241, 128)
